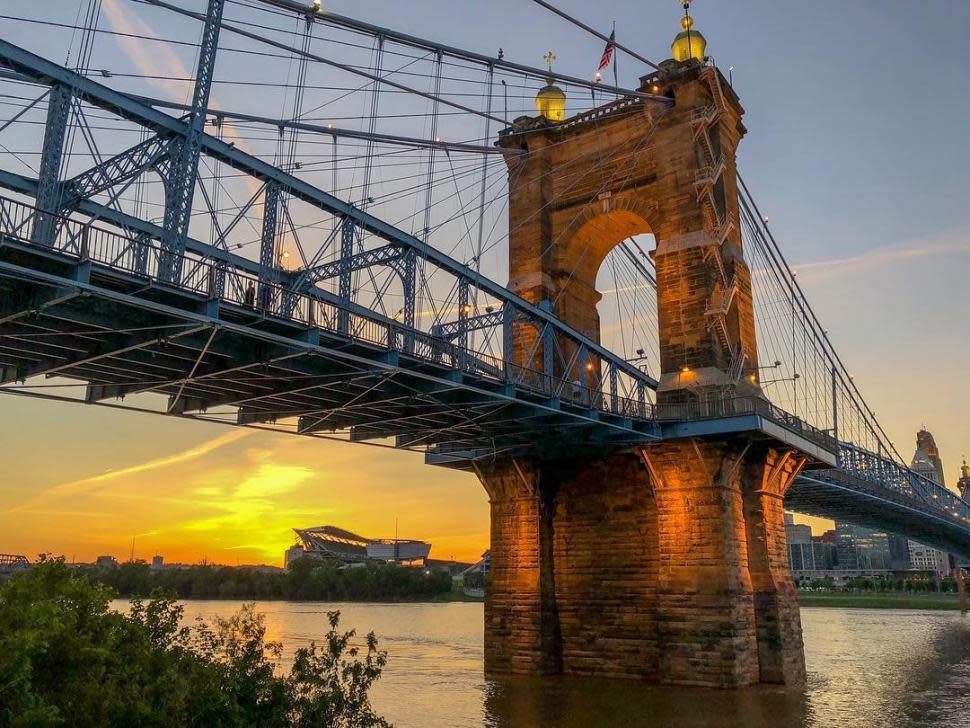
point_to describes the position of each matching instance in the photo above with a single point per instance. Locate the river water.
(877, 667)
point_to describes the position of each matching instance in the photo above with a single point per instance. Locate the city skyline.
(882, 254)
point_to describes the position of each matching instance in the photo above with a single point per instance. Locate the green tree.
(66, 659)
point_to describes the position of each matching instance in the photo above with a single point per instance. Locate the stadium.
(330, 542)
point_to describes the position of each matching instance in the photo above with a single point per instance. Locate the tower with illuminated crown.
(927, 462)
(665, 561)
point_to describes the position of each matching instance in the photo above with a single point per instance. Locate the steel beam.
(269, 232)
(113, 171)
(378, 256)
(347, 235)
(182, 177)
(48, 180)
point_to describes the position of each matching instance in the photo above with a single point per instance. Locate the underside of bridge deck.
(129, 337)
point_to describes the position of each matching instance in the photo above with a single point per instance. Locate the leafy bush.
(66, 659)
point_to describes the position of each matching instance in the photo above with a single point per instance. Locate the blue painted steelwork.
(353, 370)
(113, 171)
(48, 180)
(267, 244)
(180, 182)
(44, 71)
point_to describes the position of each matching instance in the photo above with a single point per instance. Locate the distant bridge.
(12, 563)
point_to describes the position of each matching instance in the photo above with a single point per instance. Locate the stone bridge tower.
(667, 562)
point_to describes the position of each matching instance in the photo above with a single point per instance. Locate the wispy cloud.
(954, 244)
(85, 485)
(150, 58)
(256, 516)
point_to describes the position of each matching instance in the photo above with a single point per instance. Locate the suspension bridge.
(331, 272)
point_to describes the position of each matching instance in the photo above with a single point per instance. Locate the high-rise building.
(926, 459)
(963, 484)
(797, 533)
(927, 462)
(805, 553)
(862, 548)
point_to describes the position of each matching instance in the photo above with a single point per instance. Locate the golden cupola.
(689, 43)
(551, 101)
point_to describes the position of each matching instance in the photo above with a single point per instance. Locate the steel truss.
(179, 131)
(319, 369)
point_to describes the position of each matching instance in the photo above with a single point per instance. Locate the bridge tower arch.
(664, 562)
(664, 166)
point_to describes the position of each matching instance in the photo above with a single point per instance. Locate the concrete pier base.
(666, 565)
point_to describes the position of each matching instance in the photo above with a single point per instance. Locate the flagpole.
(615, 54)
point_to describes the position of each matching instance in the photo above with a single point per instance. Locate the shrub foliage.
(66, 659)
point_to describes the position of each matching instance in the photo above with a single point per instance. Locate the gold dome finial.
(689, 43)
(551, 101)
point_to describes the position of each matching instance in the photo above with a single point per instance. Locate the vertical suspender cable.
(477, 260)
(429, 184)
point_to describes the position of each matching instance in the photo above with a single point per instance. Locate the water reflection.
(582, 702)
(865, 668)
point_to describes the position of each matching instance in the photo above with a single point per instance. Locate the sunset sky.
(857, 115)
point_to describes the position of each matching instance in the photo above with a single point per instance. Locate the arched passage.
(580, 255)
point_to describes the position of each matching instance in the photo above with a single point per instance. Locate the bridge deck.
(124, 333)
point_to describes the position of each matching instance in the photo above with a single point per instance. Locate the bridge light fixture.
(466, 309)
(589, 366)
(685, 369)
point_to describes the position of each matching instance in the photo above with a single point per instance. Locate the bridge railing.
(212, 279)
(885, 471)
(880, 470)
(716, 406)
(10, 563)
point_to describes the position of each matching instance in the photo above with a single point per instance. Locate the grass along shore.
(879, 600)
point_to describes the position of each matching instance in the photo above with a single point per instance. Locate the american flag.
(608, 52)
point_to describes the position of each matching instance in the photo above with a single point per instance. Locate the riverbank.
(879, 600)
